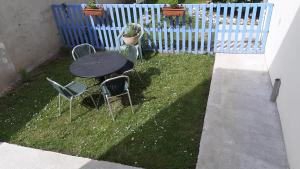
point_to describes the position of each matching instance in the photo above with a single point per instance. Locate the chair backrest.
(82, 49)
(130, 52)
(59, 88)
(116, 85)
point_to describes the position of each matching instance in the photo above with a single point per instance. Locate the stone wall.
(28, 36)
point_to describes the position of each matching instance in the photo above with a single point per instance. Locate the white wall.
(283, 14)
(283, 59)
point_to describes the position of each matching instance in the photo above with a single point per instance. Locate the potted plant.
(92, 9)
(174, 9)
(131, 34)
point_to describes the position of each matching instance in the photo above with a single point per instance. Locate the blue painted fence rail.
(205, 28)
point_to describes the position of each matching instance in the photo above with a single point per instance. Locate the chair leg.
(93, 101)
(105, 101)
(70, 110)
(130, 102)
(110, 111)
(138, 75)
(140, 51)
(59, 104)
(98, 101)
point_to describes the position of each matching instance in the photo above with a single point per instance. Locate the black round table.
(97, 65)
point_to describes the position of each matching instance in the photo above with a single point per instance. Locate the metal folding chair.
(69, 92)
(138, 46)
(113, 87)
(82, 49)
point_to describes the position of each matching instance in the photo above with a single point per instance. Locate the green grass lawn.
(164, 132)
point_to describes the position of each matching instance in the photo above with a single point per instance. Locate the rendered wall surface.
(283, 60)
(28, 36)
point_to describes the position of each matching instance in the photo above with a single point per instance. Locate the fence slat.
(107, 16)
(64, 26)
(203, 28)
(72, 26)
(147, 26)
(232, 8)
(123, 15)
(259, 26)
(100, 35)
(134, 14)
(82, 26)
(237, 26)
(159, 29)
(252, 27)
(119, 27)
(141, 15)
(103, 29)
(223, 28)
(98, 28)
(171, 34)
(244, 28)
(177, 34)
(141, 20)
(165, 34)
(197, 29)
(74, 21)
(65, 15)
(77, 14)
(183, 32)
(128, 14)
(217, 28)
(210, 27)
(190, 29)
(267, 25)
(89, 28)
(114, 26)
(153, 27)
(58, 25)
(95, 30)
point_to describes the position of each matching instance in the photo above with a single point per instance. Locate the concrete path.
(241, 127)
(18, 157)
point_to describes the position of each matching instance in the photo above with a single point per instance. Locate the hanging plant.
(174, 9)
(93, 10)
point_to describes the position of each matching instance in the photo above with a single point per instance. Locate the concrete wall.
(28, 36)
(283, 60)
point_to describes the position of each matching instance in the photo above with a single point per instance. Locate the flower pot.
(131, 40)
(178, 11)
(93, 11)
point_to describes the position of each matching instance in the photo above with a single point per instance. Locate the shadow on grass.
(148, 54)
(28, 99)
(137, 87)
(156, 145)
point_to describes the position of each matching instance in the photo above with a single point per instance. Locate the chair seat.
(100, 79)
(76, 88)
(114, 88)
(128, 66)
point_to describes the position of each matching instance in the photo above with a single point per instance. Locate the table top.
(97, 65)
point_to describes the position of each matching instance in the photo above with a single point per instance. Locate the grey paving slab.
(242, 127)
(18, 157)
